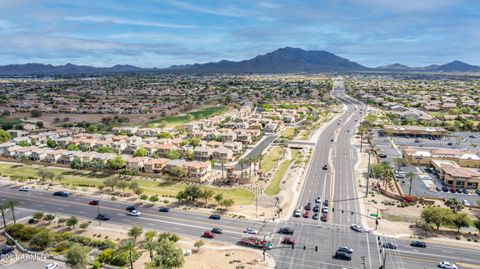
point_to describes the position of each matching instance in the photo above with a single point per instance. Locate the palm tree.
(135, 232)
(410, 175)
(129, 246)
(242, 163)
(260, 158)
(12, 204)
(150, 246)
(222, 163)
(59, 177)
(3, 209)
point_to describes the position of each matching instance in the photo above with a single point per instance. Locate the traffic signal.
(333, 209)
(343, 211)
(316, 248)
(304, 247)
(293, 246)
(376, 221)
(351, 213)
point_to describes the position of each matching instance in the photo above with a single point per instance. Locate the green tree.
(198, 245)
(73, 147)
(476, 223)
(111, 182)
(168, 256)
(117, 163)
(168, 236)
(410, 175)
(38, 215)
(461, 220)
(129, 246)
(71, 222)
(149, 235)
(105, 149)
(4, 136)
(135, 232)
(454, 204)
(218, 197)
(140, 152)
(77, 257)
(122, 184)
(207, 194)
(76, 163)
(437, 216)
(227, 203)
(173, 154)
(3, 210)
(51, 143)
(49, 218)
(41, 240)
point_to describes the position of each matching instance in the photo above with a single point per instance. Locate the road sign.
(373, 215)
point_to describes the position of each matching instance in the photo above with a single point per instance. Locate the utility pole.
(256, 200)
(98, 214)
(368, 174)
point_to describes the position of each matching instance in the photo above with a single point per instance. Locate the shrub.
(22, 232)
(42, 240)
(63, 245)
(153, 198)
(106, 256)
(143, 197)
(84, 225)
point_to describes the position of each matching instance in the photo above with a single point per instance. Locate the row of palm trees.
(387, 173)
(248, 162)
(10, 204)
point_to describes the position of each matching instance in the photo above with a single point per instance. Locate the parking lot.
(460, 140)
(426, 183)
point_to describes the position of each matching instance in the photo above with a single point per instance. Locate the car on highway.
(325, 209)
(418, 244)
(445, 189)
(447, 265)
(307, 214)
(477, 191)
(217, 231)
(472, 136)
(134, 213)
(340, 255)
(297, 213)
(51, 265)
(289, 241)
(356, 228)
(318, 200)
(285, 230)
(331, 140)
(316, 216)
(131, 208)
(164, 209)
(325, 167)
(24, 189)
(449, 143)
(308, 206)
(466, 203)
(215, 217)
(389, 245)
(208, 234)
(61, 193)
(345, 249)
(250, 231)
(316, 208)
(103, 216)
(326, 203)
(94, 202)
(383, 156)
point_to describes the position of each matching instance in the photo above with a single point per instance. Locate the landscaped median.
(271, 158)
(83, 179)
(274, 187)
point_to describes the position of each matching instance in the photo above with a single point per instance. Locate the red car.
(289, 241)
(324, 217)
(93, 202)
(453, 190)
(208, 234)
(307, 214)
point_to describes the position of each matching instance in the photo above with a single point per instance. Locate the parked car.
(324, 217)
(103, 216)
(208, 234)
(447, 265)
(217, 231)
(418, 244)
(345, 249)
(356, 228)
(286, 230)
(445, 189)
(466, 203)
(449, 143)
(389, 245)
(51, 265)
(25, 189)
(465, 191)
(164, 209)
(289, 241)
(477, 191)
(453, 190)
(134, 213)
(94, 202)
(215, 217)
(297, 213)
(381, 155)
(437, 188)
(473, 136)
(5, 249)
(340, 255)
(61, 193)
(459, 190)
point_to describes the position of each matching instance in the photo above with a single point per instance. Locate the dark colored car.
(465, 191)
(5, 249)
(331, 140)
(418, 244)
(340, 255)
(103, 216)
(382, 155)
(164, 209)
(288, 241)
(478, 191)
(438, 188)
(217, 231)
(445, 189)
(316, 216)
(316, 208)
(94, 202)
(325, 167)
(61, 193)
(325, 203)
(215, 217)
(308, 206)
(389, 245)
(449, 143)
(208, 234)
(345, 249)
(286, 230)
(131, 208)
(459, 190)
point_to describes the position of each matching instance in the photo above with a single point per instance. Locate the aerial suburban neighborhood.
(239, 134)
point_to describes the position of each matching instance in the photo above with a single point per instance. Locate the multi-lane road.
(320, 239)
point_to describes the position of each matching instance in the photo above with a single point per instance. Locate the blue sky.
(159, 33)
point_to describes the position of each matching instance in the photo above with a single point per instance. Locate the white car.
(356, 228)
(250, 231)
(325, 209)
(25, 189)
(466, 203)
(447, 265)
(318, 200)
(297, 213)
(51, 265)
(134, 213)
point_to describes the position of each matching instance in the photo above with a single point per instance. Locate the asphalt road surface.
(320, 239)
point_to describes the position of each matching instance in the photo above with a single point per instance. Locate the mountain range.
(284, 60)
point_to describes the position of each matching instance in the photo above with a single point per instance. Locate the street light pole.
(98, 214)
(368, 174)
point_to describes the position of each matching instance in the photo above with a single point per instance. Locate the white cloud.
(115, 20)
(227, 11)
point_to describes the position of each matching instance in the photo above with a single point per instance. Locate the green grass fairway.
(271, 158)
(173, 121)
(9, 123)
(84, 178)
